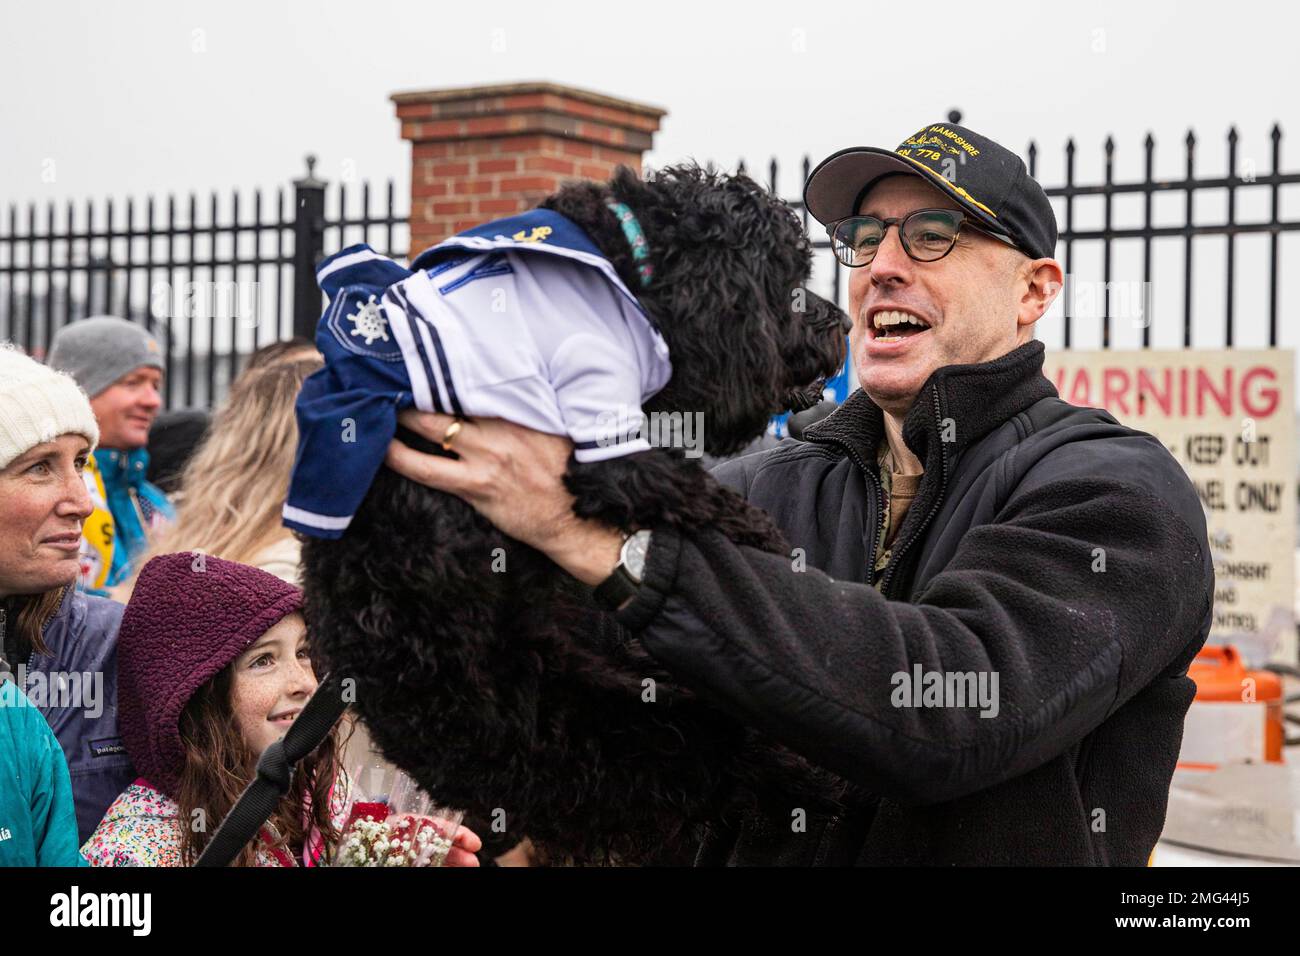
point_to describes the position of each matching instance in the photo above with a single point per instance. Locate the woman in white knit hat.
(57, 644)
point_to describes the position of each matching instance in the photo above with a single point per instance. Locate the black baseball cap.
(988, 180)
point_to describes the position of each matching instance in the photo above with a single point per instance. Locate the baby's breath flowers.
(399, 840)
(396, 823)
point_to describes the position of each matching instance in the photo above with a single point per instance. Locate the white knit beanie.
(37, 405)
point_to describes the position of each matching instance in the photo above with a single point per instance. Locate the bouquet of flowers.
(399, 826)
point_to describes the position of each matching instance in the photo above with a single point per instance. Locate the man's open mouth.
(894, 325)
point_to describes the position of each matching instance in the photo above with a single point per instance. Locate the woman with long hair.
(213, 667)
(234, 487)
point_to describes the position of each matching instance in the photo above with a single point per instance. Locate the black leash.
(275, 770)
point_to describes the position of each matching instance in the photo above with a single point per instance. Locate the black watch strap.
(616, 589)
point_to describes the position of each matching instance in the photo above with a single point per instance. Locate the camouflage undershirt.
(900, 491)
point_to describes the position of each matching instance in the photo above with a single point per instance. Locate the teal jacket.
(38, 825)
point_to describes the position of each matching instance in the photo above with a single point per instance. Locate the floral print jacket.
(143, 828)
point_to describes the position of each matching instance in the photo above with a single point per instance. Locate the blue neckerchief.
(546, 231)
(123, 472)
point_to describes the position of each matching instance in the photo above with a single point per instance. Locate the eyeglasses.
(927, 235)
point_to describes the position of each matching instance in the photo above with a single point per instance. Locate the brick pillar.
(480, 153)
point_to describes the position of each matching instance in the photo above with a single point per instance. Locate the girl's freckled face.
(273, 681)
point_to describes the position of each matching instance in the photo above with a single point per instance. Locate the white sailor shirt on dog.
(521, 319)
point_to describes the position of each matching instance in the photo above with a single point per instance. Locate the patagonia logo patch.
(107, 746)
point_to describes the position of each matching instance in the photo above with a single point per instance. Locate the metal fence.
(1187, 231)
(216, 284)
(212, 280)
(1109, 237)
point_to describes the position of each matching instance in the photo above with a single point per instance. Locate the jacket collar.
(118, 467)
(957, 405)
(64, 611)
(55, 628)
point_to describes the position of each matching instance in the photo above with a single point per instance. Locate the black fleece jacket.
(1048, 545)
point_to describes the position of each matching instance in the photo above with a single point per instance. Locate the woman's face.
(44, 500)
(272, 682)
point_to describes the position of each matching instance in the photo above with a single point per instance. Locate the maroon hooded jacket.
(190, 616)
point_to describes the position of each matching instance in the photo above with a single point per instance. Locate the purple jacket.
(186, 623)
(82, 708)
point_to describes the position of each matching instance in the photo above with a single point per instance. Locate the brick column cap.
(521, 109)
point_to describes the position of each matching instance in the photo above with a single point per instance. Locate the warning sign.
(1229, 419)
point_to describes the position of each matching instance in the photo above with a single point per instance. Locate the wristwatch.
(625, 581)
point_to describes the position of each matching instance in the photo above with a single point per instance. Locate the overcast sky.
(130, 98)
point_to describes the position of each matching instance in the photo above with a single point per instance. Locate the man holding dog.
(993, 597)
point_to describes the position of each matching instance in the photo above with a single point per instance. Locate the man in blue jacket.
(994, 595)
(120, 367)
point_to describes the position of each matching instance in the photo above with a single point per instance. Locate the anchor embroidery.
(538, 234)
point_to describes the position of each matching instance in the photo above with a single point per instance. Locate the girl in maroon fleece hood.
(213, 667)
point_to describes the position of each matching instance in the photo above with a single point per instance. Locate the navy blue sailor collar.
(538, 230)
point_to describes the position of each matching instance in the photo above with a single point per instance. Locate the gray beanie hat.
(100, 350)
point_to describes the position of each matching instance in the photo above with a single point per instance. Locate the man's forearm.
(815, 663)
(588, 550)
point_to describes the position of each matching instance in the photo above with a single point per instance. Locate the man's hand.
(513, 476)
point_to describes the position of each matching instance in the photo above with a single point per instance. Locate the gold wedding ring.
(452, 431)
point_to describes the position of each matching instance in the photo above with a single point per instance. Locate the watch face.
(634, 553)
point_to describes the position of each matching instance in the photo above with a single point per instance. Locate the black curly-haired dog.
(511, 691)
